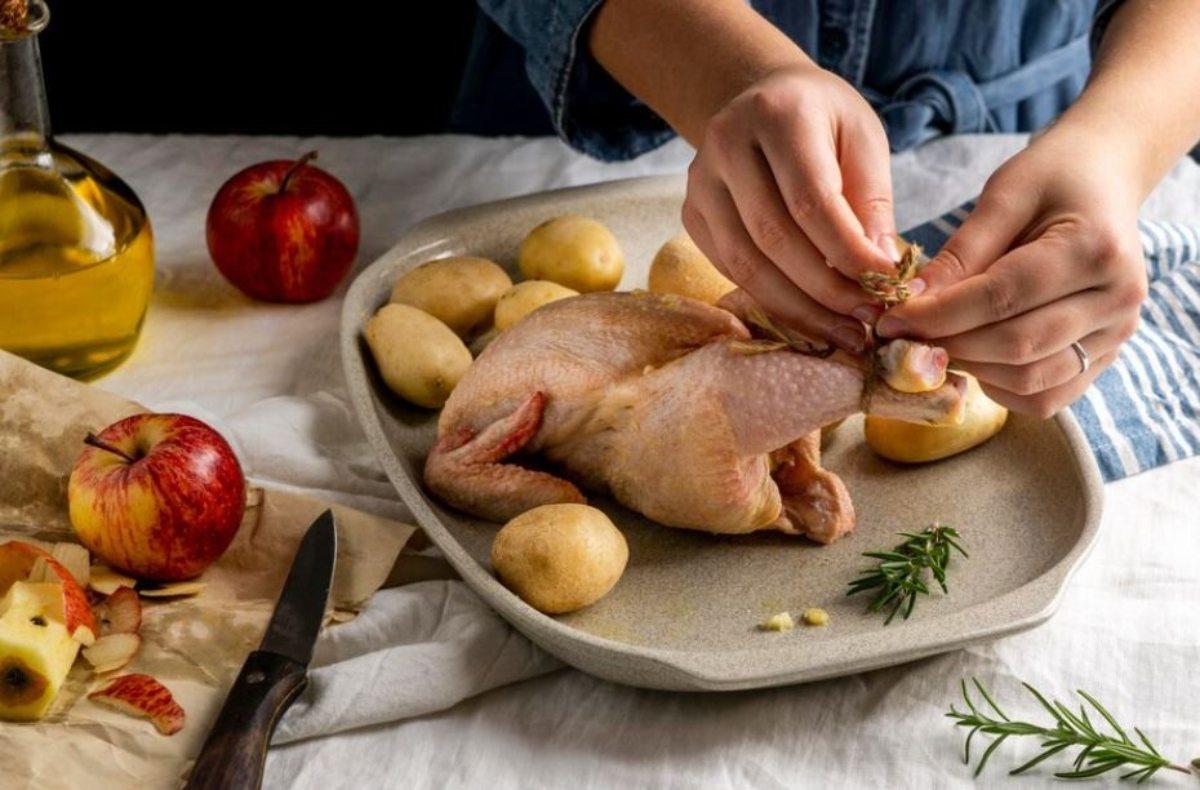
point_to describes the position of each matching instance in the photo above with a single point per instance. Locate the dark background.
(254, 66)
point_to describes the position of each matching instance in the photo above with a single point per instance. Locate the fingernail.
(867, 313)
(849, 338)
(890, 326)
(916, 286)
(887, 243)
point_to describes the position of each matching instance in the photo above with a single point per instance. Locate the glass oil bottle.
(76, 249)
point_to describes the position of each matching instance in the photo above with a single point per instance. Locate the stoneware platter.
(685, 614)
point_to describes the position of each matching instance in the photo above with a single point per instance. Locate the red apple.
(157, 496)
(283, 231)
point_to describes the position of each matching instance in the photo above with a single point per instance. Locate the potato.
(680, 268)
(523, 298)
(909, 442)
(459, 292)
(560, 558)
(419, 357)
(574, 251)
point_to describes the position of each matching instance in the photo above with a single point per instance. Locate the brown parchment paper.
(195, 646)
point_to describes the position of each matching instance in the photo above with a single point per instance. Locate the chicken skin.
(668, 404)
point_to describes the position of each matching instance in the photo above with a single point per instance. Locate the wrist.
(1091, 139)
(729, 80)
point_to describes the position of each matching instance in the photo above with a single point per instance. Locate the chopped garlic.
(779, 622)
(815, 616)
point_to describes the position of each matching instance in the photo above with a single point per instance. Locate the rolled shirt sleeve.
(587, 107)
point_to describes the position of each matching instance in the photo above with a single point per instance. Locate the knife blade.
(275, 674)
(301, 607)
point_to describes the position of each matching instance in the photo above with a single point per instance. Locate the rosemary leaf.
(1100, 751)
(899, 576)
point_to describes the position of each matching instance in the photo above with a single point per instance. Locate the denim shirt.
(929, 68)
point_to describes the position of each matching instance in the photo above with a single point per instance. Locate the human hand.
(1050, 256)
(790, 196)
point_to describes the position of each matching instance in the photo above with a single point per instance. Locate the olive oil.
(76, 251)
(76, 264)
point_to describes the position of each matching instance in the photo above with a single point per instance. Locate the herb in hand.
(892, 289)
(900, 576)
(1100, 752)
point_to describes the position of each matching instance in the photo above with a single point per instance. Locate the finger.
(867, 183)
(828, 287)
(1054, 371)
(760, 206)
(810, 181)
(1034, 335)
(1049, 402)
(740, 260)
(989, 231)
(1028, 277)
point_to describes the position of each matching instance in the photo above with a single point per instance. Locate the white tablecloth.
(269, 376)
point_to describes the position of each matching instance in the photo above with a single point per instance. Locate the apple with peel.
(24, 562)
(44, 619)
(283, 231)
(157, 496)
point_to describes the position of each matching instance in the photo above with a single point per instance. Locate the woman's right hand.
(790, 196)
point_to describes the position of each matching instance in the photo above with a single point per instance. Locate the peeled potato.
(523, 298)
(459, 292)
(574, 251)
(560, 558)
(912, 443)
(420, 358)
(681, 268)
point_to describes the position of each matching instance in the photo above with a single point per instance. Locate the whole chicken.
(671, 406)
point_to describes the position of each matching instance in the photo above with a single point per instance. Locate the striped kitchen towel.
(1144, 410)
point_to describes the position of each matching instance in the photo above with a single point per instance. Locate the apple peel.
(144, 697)
(172, 590)
(104, 579)
(75, 558)
(109, 653)
(84, 636)
(119, 613)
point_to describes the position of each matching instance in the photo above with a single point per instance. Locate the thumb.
(989, 231)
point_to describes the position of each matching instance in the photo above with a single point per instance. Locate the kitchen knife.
(273, 675)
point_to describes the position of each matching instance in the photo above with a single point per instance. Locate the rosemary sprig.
(1100, 752)
(900, 575)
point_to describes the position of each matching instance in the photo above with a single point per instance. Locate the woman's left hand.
(1050, 256)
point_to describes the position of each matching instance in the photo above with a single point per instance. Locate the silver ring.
(1085, 361)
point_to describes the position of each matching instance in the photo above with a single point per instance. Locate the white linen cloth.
(395, 699)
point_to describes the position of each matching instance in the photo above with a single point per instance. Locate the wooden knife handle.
(236, 749)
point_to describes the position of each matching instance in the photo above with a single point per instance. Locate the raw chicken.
(668, 404)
